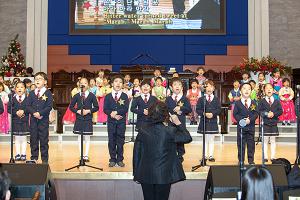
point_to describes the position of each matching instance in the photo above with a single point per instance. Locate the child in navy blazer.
(180, 105)
(20, 120)
(141, 104)
(246, 109)
(87, 102)
(270, 109)
(212, 110)
(116, 107)
(39, 105)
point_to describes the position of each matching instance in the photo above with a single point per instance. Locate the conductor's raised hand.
(174, 119)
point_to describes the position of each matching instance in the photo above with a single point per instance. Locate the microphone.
(242, 123)
(82, 86)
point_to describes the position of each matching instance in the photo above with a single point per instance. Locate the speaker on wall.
(29, 180)
(226, 180)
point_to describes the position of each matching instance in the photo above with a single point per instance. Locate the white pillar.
(258, 28)
(37, 33)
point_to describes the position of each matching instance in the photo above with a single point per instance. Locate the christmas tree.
(13, 63)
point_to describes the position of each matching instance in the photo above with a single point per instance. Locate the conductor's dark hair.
(117, 76)
(257, 183)
(42, 74)
(4, 183)
(158, 112)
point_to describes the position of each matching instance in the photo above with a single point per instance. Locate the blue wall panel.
(89, 49)
(170, 51)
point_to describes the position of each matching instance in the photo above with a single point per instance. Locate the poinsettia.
(265, 65)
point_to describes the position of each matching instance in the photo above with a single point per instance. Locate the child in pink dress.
(286, 95)
(4, 123)
(193, 95)
(100, 94)
(70, 117)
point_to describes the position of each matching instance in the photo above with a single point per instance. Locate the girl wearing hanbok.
(100, 94)
(4, 122)
(277, 83)
(159, 91)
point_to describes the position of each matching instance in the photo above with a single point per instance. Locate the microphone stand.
(11, 160)
(82, 161)
(132, 122)
(262, 139)
(242, 124)
(203, 160)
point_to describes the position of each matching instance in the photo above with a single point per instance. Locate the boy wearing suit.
(178, 104)
(115, 107)
(141, 104)
(39, 106)
(245, 109)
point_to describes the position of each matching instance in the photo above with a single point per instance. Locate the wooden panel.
(77, 68)
(219, 68)
(68, 60)
(58, 50)
(237, 50)
(223, 60)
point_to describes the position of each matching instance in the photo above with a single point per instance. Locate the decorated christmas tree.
(13, 63)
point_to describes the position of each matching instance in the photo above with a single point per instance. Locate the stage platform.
(287, 134)
(66, 154)
(116, 183)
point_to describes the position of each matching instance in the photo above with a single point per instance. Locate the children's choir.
(119, 101)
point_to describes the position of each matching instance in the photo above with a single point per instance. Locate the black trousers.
(156, 191)
(39, 138)
(116, 140)
(248, 139)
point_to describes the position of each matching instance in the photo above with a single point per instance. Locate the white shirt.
(114, 94)
(246, 100)
(143, 96)
(22, 97)
(211, 97)
(86, 94)
(179, 96)
(42, 91)
(272, 99)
